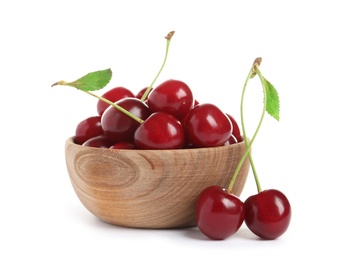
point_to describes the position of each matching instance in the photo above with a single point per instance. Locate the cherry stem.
(126, 112)
(168, 37)
(253, 71)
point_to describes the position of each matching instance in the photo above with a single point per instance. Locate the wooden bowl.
(150, 188)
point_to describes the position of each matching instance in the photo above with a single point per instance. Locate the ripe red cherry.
(88, 128)
(183, 122)
(268, 213)
(100, 141)
(159, 131)
(236, 132)
(173, 97)
(231, 140)
(123, 145)
(113, 95)
(118, 126)
(219, 214)
(142, 92)
(208, 126)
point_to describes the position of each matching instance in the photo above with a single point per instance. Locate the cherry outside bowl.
(150, 188)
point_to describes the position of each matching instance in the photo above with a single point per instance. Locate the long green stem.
(168, 37)
(254, 70)
(245, 133)
(234, 176)
(126, 112)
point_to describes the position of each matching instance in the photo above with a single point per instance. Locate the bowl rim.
(70, 140)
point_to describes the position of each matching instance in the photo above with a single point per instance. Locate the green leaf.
(92, 81)
(272, 100)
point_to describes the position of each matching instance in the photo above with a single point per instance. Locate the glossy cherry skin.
(100, 141)
(173, 97)
(207, 126)
(119, 127)
(113, 95)
(88, 128)
(159, 131)
(268, 213)
(219, 214)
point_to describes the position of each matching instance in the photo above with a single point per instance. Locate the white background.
(302, 46)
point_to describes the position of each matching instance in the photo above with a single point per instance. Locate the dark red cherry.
(268, 213)
(208, 126)
(142, 92)
(118, 126)
(183, 122)
(219, 214)
(236, 132)
(123, 145)
(100, 141)
(113, 95)
(88, 128)
(231, 140)
(173, 97)
(159, 131)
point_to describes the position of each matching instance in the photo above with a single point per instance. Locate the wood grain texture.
(150, 188)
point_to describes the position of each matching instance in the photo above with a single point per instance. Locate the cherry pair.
(220, 214)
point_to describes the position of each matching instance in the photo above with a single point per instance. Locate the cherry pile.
(220, 214)
(162, 117)
(168, 118)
